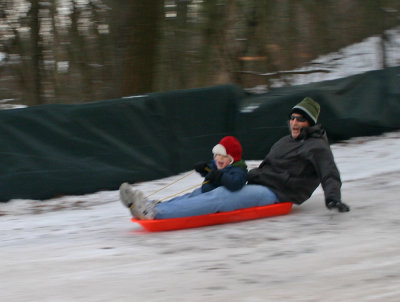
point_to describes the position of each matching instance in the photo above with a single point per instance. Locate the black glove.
(340, 206)
(214, 177)
(202, 168)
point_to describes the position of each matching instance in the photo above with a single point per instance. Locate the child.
(227, 170)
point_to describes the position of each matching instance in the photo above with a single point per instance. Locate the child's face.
(222, 161)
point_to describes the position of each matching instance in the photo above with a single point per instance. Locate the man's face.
(297, 122)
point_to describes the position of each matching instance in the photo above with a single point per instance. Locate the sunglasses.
(301, 119)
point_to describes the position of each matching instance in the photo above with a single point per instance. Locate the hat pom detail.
(219, 149)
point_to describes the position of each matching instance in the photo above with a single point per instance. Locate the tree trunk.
(135, 29)
(36, 57)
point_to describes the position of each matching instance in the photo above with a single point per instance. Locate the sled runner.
(157, 225)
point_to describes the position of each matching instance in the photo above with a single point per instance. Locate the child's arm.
(233, 178)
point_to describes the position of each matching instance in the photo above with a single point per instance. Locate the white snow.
(351, 60)
(84, 248)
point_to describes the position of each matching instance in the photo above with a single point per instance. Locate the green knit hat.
(309, 108)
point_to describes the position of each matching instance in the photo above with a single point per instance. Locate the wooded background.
(73, 51)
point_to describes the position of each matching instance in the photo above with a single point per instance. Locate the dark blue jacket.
(234, 177)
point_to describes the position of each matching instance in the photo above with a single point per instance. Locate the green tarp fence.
(53, 150)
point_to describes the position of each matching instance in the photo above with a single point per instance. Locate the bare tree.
(75, 51)
(135, 31)
(36, 53)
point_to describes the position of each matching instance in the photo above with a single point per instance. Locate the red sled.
(170, 224)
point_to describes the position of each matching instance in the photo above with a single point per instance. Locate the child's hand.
(202, 168)
(214, 177)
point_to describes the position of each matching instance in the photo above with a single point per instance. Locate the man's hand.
(340, 206)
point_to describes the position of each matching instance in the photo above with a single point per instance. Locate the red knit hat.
(229, 146)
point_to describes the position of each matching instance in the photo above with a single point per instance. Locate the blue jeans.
(217, 200)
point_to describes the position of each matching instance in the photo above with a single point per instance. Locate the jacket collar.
(315, 131)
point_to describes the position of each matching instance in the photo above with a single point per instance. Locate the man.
(291, 171)
(299, 162)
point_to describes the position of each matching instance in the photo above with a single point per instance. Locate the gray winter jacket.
(294, 168)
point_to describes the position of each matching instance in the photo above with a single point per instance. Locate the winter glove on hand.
(202, 168)
(340, 206)
(214, 177)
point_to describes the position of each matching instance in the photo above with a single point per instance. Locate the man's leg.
(217, 200)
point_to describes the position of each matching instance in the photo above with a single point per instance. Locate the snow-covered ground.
(84, 248)
(351, 60)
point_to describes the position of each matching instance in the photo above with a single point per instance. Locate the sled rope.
(186, 175)
(187, 189)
